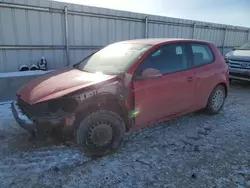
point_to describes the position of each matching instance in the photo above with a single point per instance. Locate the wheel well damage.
(103, 102)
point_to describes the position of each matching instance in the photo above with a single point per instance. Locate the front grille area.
(239, 64)
(53, 107)
(240, 75)
(32, 110)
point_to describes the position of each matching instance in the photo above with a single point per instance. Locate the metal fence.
(65, 33)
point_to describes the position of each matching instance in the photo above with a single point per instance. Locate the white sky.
(232, 12)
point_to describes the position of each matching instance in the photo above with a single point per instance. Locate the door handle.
(190, 78)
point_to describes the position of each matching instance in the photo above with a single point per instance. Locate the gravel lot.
(196, 150)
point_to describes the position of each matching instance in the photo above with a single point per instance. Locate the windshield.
(113, 59)
(245, 46)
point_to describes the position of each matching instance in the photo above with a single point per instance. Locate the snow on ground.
(196, 150)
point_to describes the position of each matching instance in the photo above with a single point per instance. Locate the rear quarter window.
(202, 54)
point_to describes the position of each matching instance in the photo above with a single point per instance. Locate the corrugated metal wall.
(30, 29)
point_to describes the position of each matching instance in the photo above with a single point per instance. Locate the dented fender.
(114, 96)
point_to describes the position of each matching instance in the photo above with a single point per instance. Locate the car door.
(170, 94)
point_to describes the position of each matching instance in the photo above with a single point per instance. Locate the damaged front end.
(64, 113)
(45, 117)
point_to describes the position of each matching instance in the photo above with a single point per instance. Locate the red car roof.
(155, 41)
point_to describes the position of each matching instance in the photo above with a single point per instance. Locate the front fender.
(112, 96)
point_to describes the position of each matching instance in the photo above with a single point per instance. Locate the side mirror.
(150, 73)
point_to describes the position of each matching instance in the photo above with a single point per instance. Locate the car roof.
(155, 41)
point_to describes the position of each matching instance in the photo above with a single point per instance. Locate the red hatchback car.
(124, 87)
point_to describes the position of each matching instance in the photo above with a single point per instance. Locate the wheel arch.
(209, 107)
(224, 86)
(105, 101)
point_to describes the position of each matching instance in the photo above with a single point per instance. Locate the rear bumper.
(23, 120)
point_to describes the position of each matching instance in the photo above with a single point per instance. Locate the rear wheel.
(216, 100)
(100, 133)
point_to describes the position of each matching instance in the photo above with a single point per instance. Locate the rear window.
(202, 54)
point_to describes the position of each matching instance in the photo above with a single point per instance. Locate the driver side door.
(168, 95)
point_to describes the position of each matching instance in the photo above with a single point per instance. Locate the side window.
(167, 59)
(202, 54)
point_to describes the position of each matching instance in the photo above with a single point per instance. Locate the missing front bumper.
(23, 120)
(41, 124)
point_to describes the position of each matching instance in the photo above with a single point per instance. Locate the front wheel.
(216, 100)
(100, 133)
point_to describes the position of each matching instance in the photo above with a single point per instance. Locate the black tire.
(105, 121)
(210, 108)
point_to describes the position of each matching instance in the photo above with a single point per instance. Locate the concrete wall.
(11, 82)
(30, 29)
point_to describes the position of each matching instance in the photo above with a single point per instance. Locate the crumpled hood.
(58, 83)
(243, 55)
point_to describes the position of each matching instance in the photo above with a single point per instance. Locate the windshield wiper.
(75, 65)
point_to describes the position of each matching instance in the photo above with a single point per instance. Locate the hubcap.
(100, 134)
(217, 100)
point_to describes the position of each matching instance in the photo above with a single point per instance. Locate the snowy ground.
(196, 150)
